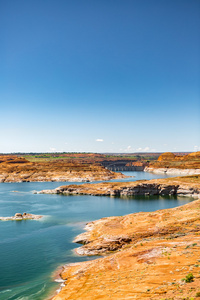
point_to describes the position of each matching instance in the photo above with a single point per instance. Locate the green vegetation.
(188, 278)
(92, 157)
(197, 294)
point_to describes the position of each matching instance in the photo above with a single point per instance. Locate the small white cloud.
(52, 149)
(99, 140)
(146, 149)
(128, 149)
(196, 148)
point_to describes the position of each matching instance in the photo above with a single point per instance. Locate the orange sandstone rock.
(162, 248)
(16, 169)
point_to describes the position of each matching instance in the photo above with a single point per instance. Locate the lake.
(32, 250)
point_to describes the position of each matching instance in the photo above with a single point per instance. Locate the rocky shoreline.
(59, 178)
(170, 186)
(151, 255)
(146, 255)
(172, 171)
(20, 217)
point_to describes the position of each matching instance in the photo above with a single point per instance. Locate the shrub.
(197, 294)
(189, 277)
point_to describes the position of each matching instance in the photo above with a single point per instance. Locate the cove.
(31, 251)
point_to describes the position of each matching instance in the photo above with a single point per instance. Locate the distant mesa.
(20, 217)
(173, 164)
(10, 159)
(194, 155)
(166, 156)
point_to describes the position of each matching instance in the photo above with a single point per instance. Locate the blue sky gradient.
(123, 72)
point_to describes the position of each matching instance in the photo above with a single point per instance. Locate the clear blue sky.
(99, 75)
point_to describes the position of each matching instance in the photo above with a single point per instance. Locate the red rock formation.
(16, 169)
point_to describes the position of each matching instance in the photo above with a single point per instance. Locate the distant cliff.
(176, 164)
(18, 169)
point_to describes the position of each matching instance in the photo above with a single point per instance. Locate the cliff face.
(151, 256)
(15, 169)
(189, 186)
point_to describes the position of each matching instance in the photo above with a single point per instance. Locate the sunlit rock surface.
(16, 169)
(20, 217)
(149, 256)
(188, 186)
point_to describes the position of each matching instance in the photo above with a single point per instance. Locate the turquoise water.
(31, 251)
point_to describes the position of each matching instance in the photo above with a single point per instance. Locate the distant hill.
(172, 160)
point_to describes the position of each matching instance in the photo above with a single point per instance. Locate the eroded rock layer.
(16, 169)
(170, 163)
(188, 185)
(150, 256)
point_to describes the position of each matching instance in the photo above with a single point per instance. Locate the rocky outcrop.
(150, 257)
(173, 186)
(167, 156)
(168, 162)
(20, 217)
(16, 169)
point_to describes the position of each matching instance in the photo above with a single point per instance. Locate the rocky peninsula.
(153, 255)
(20, 217)
(187, 185)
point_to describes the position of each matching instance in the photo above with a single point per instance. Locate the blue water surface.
(32, 250)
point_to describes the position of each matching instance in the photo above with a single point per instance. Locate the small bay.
(32, 250)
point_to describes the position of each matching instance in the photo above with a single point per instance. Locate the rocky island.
(20, 217)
